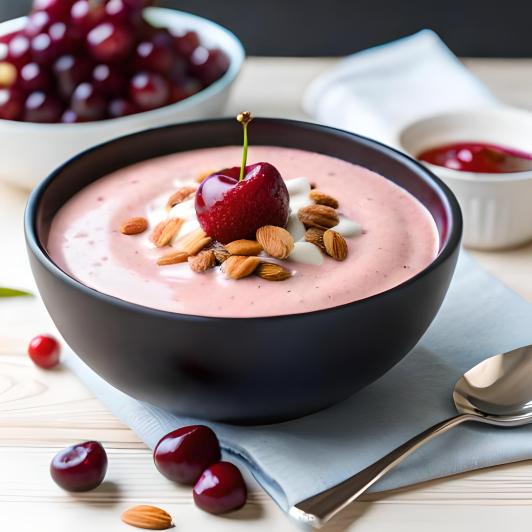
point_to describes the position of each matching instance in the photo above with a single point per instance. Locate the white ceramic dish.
(29, 152)
(497, 208)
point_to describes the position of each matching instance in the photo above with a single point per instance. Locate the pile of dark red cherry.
(86, 60)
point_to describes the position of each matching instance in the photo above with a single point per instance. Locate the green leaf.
(12, 292)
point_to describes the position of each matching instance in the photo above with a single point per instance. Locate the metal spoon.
(498, 391)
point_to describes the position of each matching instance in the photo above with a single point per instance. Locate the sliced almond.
(237, 267)
(320, 216)
(323, 199)
(272, 272)
(166, 231)
(315, 236)
(134, 226)
(175, 257)
(276, 241)
(335, 245)
(179, 196)
(244, 247)
(148, 517)
(194, 242)
(203, 261)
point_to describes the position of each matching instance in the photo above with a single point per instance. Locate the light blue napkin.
(372, 92)
(296, 459)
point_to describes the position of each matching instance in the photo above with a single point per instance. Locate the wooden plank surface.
(40, 411)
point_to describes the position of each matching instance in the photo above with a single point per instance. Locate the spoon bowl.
(498, 389)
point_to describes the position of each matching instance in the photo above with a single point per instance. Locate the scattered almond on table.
(148, 517)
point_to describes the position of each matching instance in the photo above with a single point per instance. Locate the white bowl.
(29, 151)
(497, 208)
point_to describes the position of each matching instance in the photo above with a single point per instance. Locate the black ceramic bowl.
(242, 369)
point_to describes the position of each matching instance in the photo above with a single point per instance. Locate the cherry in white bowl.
(30, 150)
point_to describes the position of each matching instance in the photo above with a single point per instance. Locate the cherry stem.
(244, 118)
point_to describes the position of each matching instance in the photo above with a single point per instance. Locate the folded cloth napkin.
(297, 459)
(379, 91)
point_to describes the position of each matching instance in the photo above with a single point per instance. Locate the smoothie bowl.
(249, 300)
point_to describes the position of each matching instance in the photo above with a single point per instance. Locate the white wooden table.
(43, 411)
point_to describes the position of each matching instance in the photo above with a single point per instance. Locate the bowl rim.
(236, 56)
(497, 111)
(36, 247)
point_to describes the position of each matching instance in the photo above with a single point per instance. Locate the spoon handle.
(317, 510)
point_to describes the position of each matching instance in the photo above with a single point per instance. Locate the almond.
(237, 267)
(335, 245)
(276, 241)
(194, 242)
(221, 254)
(179, 196)
(323, 199)
(320, 216)
(315, 236)
(203, 261)
(176, 257)
(165, 231)
(244, 247)
(134, 226)
(148, 517)
(272, 272)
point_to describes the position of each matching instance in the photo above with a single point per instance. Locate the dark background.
(483, 28)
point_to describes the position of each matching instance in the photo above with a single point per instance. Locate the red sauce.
(478, 157)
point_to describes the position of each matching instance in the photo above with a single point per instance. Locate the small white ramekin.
(29, 152)
(497, 208)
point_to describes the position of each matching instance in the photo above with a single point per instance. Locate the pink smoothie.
(399, 238)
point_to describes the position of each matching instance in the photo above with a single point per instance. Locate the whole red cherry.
(70, 71)
(81, 467)
(208, 65)
(183, 454)
(234, 203)
(56, 9)
(149, 90)
(220, 489)
(109, 42)
(87, 102)
(85, 15)
(19, 51)
(44, 351)
(37, 22)
(120, 107)
(42, 107)
(34, 77)
(11, 104)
